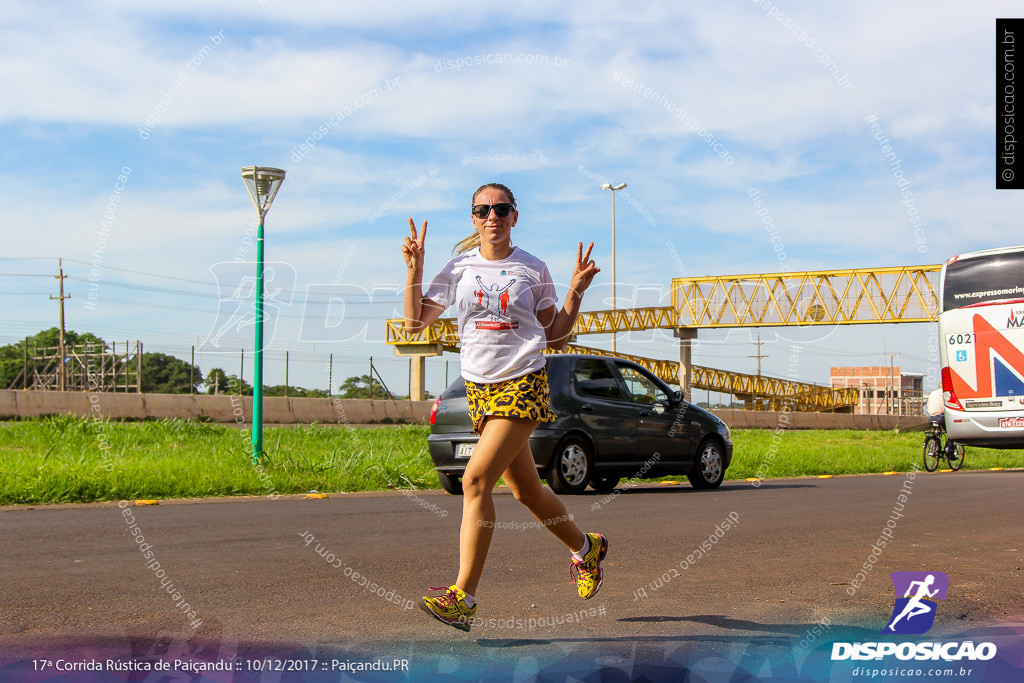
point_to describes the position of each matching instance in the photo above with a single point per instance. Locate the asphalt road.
(783, 577)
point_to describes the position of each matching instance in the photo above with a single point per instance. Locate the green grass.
(61, 459)
(843, 451)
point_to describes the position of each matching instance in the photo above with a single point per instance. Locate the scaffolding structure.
(87, 367)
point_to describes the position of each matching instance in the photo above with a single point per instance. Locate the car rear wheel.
(450, 483)
(572, 467)
(604, 484)
(709, 470)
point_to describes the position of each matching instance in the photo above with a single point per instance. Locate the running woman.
(506, 307)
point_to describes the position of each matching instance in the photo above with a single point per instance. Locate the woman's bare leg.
(521, 476)
(501, 441)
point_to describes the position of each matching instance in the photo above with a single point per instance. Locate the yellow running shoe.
(587, 574)
(450, 608)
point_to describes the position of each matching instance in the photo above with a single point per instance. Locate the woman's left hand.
(585, 270)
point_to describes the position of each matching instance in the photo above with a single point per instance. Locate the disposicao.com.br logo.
(914, 614)
(916, 609)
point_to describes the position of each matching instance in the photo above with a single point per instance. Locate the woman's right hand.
(412, 249)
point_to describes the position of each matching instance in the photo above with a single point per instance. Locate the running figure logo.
(236, 312)
(914, 612)
(496, 306)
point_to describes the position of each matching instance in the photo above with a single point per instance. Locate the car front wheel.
(572, 467)
(709, 470)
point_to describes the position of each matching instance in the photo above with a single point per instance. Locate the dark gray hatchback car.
(615, 420)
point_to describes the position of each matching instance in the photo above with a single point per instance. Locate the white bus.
(981, 322)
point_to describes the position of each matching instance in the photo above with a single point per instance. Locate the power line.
(145, 288)
(105, 267)
(205, 283)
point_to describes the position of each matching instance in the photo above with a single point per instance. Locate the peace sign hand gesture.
(412, 248)
(585, 270)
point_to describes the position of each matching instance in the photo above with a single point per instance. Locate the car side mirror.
(677, 397)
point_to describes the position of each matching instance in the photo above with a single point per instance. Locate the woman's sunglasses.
(484, 210)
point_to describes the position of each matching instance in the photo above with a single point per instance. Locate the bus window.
(970, 281)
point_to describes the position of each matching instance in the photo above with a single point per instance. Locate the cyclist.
(936, 410)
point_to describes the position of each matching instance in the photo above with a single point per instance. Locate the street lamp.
(613, 188)
(263, 183)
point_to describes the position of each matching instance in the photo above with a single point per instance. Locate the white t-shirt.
(935, 405)
(496, 303)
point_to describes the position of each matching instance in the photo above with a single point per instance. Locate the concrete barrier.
(752, 419)
(276, 409)
(8, 404)
(287, 410)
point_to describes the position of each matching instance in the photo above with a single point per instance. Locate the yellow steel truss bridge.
(903, 294)
(838, 297)
(757, 391)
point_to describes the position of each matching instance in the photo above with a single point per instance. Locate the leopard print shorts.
(526, 397)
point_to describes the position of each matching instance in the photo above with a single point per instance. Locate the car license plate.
(464, 450)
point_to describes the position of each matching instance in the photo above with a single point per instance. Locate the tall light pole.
(613, 188)
(263, 183)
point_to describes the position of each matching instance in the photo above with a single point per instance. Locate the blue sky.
(405, 108)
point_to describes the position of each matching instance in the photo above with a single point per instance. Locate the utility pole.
(63, 386)
(614, 189)
(892, 388)
(759, 355)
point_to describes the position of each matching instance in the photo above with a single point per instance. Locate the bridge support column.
(685, 335)
(417, 380)
(417, 355)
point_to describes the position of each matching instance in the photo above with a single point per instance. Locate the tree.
(219, 382)
(299, 392)
(163, 374)
(360, 387)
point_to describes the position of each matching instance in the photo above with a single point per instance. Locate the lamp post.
(614, 189)
(263, 183)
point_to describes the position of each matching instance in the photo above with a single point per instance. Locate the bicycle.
(936, 447)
